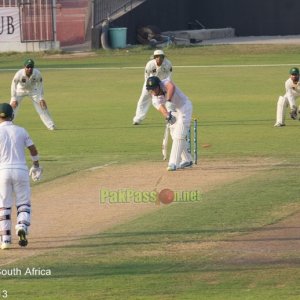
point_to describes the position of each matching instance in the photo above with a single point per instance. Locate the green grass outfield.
(234, 90)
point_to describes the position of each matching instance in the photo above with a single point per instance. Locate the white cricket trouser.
(179, 151)
(43, 113)
(14, 183)
(282, 103)
(143, 105)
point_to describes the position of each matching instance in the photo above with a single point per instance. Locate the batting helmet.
(152, 83)
(294, 71)
(6, 111)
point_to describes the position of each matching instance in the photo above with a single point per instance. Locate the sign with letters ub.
(9, 24)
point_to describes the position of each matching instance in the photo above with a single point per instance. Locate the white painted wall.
(10, 37)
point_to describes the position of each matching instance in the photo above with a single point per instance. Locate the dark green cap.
(29, 63)
(6, 111)
(294, 71)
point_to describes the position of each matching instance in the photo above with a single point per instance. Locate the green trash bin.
(117, 37)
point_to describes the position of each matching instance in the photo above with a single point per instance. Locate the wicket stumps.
(189, 140)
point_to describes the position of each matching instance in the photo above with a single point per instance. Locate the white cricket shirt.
(179, 99)
(24, 86)
(13, 141)
(162, 72)
(292, 89)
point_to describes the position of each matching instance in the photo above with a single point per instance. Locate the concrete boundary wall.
(248, 18)
(28, 46)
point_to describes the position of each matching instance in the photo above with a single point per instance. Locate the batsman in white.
(159, 66)
(29, 82)
(166, 91)
(292, 92)
(14, 179)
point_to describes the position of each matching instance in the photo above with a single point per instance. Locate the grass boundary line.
(133, 68)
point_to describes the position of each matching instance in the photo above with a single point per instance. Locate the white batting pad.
(5, 222)
(176, 151)
(185, 155)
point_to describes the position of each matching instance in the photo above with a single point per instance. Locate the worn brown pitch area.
(68, 209)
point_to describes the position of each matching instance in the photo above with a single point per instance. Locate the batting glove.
(36, 173)
(170, 118)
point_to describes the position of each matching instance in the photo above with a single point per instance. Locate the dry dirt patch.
(68, 208)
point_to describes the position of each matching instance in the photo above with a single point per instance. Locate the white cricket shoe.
(5, 245)
(279, 125)
(53, 127)
(185, 164)
(171, 167)
(136, 121)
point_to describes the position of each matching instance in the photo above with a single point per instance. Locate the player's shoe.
(293, 114)
(185, 164)
(5, 245)
(52, 127)
(22, 238)
(171, 167)
(136, 121)
(279, 125)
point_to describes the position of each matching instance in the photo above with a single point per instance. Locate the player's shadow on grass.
(172, 236)
(146, 125)
(110, 127)
(237, 122)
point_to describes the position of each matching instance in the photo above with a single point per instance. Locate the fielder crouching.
(163, 91)
(29, 82)
(292, 92)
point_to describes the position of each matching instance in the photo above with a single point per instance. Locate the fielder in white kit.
(159, 66)
(14, 179)
(166, 91)
(29, 82)
(292, 92)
